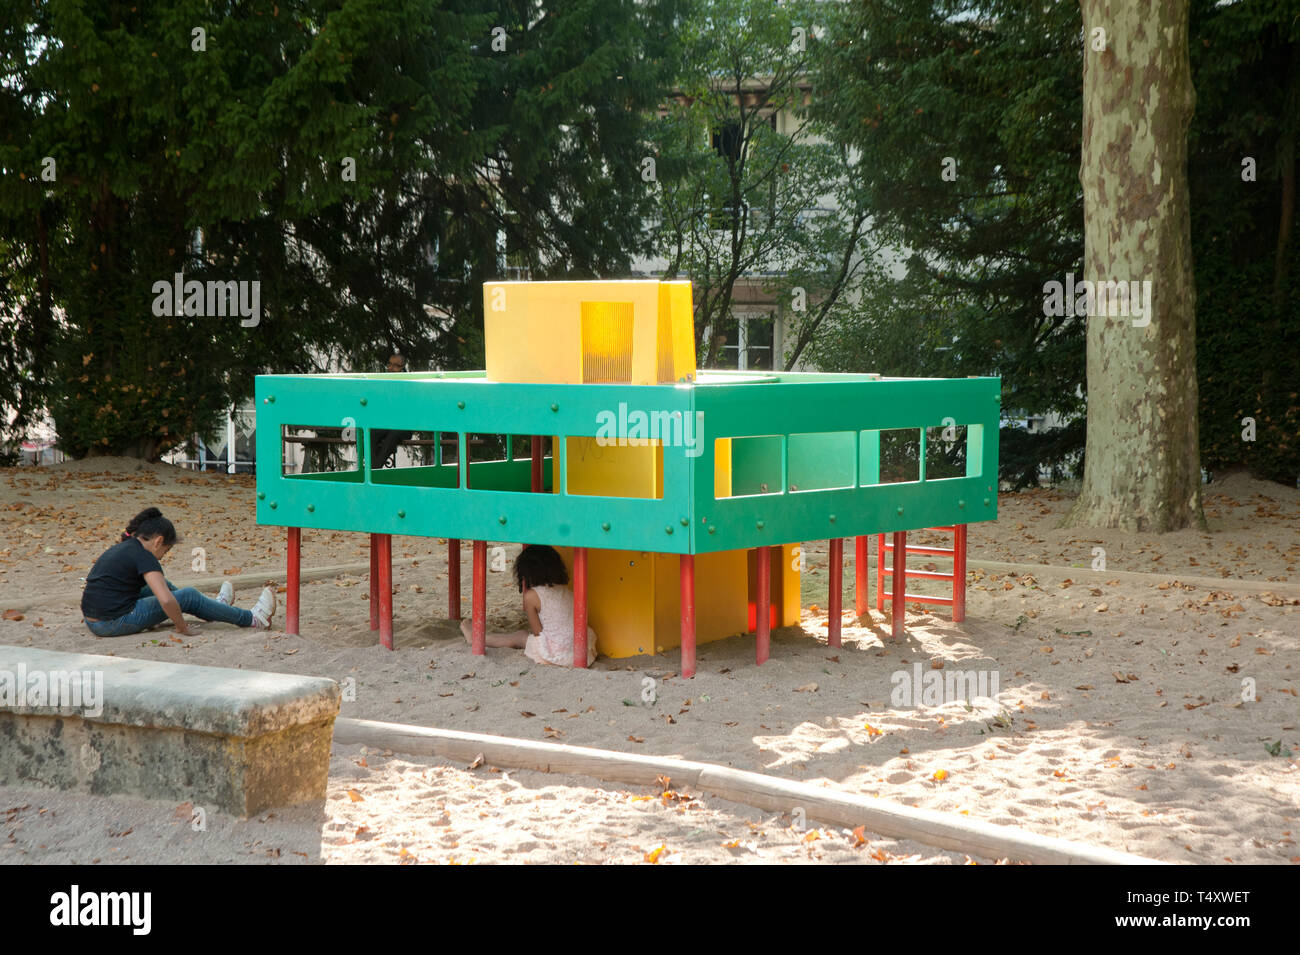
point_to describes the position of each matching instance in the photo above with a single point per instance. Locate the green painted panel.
(755, 465)
(820, 414)
(821, 460)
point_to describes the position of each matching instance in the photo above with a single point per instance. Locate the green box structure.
(807, 460)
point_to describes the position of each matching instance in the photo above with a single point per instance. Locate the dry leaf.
(354, 795)
(806, 688)
(478, 761)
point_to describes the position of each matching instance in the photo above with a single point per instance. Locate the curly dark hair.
(539, 566)
(133, 525)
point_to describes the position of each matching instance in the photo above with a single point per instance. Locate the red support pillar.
(374, 581)
(861, 559)
(580, 607)
(686, 563)
(959, 574)
(763, 606)
(836, 601)
(537, 463)
(293, 580)
(386, 589)
(453, 579)
(899, 583)
(478, 602)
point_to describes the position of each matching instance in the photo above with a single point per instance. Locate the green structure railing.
(812, 457)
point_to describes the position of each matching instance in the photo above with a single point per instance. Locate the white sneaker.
(264, 609)
(227, 594)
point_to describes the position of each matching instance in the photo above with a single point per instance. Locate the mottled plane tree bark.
(1142, 469)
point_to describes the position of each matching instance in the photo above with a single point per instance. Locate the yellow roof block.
(630, 331)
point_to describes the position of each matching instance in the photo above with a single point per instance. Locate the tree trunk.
(1142, 469)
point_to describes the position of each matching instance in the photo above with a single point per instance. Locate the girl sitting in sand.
(126, 591)
(548, 604)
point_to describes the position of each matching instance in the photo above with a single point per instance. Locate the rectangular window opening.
(414, 458)
(757, 465)
(329, 453)
(945, 452)
(890, 457)
(504, 462)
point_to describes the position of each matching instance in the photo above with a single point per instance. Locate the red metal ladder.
(900, 572)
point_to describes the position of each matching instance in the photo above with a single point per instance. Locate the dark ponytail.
(154, 526)
(133, 525)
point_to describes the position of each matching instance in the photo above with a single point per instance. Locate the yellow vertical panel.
(533, 331)
(722, 467)
(645, 356)
(537, 335)
(721, 597)
(664, 337)
(787, 585)
(607, 342)
(611, 470)
(682, 324)
(620, 599)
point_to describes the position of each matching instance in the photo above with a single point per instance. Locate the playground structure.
(662, 482)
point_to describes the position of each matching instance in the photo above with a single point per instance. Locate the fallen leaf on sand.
(478, 761)
(354, 795)
(653, 855)
(806, 688)
(636, 739)
(859, 837)
(940, 775)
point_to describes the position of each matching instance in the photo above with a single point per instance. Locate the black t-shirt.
(115, 581)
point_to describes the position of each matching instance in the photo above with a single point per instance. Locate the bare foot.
(465, 629)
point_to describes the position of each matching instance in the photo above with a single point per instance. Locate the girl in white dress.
(548, 604)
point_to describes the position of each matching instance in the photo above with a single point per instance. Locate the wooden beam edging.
(254, 578)
(941, 830)
(1282, 588)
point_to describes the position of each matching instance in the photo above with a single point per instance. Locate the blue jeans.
(148, 612)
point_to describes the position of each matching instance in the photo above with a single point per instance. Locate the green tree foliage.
(1242, 170)
(997, 87)
(749, 187)
(359, 159)
(967, 118)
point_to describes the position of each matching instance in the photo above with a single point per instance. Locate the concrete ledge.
(238, 740)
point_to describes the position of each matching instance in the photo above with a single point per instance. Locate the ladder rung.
(931, 574)
(921, 599)
(914, 549)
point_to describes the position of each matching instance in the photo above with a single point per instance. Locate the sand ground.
(1118, 717)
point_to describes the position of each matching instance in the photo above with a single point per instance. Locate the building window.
(745, 343)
